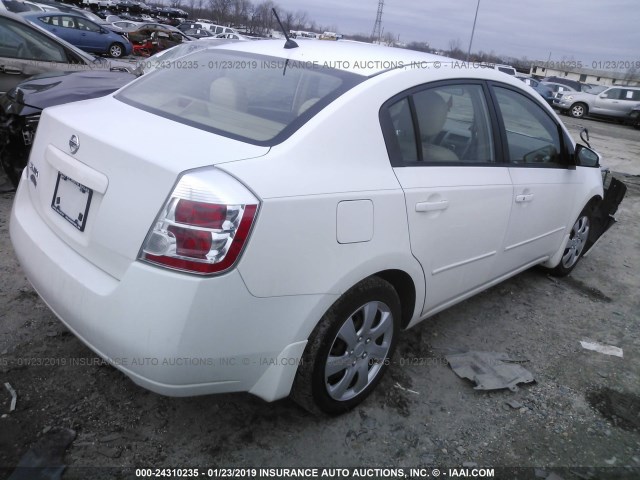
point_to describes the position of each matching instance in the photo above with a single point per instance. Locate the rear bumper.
(171, 333)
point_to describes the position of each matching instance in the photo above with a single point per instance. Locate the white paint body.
(333, 211)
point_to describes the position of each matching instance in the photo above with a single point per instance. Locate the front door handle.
(432, 206)
(524, 198)
(10, 70)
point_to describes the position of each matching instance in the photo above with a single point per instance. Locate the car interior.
(452, 122)
(254, 103)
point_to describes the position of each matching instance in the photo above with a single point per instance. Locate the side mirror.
(585, 157)
(604, 95)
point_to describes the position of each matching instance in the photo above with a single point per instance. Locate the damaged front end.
(18, 124)
(603, 214)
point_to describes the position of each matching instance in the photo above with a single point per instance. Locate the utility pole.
(377, 27)
(473, 31)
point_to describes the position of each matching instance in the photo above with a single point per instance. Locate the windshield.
(594, 89)
(254, 98)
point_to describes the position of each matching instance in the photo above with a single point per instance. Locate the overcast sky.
(583, 30)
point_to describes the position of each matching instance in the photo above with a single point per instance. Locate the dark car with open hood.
(21, 107)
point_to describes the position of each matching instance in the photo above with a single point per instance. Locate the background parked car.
(232, 36)
(546, 90)
(82, 33)
(21, 107)
(532, 82)
(557, 88)
(26, 51)
(150, 38)
(614, 102)
(198, 33)
(574, 84)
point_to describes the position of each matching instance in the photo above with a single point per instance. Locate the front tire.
(574, 249)
(578, 110)
(116, 50)
(350, 349)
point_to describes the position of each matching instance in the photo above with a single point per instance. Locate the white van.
(216, 29)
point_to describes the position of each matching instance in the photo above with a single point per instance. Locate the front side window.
(443, 124)
(533, 138)
(249, 97)
(87, 25)
(613, 93)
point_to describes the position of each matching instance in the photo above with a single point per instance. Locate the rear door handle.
(524, 198)
(432, 206)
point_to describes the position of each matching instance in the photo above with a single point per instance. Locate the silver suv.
(614, 102)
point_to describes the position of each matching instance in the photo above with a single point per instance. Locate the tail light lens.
(204, 225)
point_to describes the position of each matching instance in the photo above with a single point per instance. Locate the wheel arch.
(405, 287)
(554, 260)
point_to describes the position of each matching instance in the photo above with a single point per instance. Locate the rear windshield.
(253, 98)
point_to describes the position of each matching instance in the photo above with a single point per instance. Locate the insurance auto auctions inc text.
(374, 472)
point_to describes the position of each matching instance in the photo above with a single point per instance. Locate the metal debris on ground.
(516, 405)
(598, 347)
(397, 385)
(14, 396)
(490, 370)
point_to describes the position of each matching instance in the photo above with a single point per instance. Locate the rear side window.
(633, 95)
(254, 98)
(446, 124)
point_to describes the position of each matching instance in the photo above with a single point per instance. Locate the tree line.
(254, 18)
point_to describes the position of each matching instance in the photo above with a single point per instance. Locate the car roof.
(30, 15)
(366, 59)
(357, 57)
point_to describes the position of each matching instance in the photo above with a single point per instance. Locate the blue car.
(82, 33)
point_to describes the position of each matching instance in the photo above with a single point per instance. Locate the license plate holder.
(72, 200)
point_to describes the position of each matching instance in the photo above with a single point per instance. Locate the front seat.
(432, 112)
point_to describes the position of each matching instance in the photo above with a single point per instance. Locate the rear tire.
(350, 349)
(574, 249)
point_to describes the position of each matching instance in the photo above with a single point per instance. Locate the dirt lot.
(581, 414)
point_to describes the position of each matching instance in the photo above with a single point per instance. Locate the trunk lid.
(102, 199)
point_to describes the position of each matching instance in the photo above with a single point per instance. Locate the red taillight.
(202, 236)
(200, 214)
(191, 243)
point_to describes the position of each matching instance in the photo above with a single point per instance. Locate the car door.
(608, 102)
(544, 185)
(444, 152)
(25, 52)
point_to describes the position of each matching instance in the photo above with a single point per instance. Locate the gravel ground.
(579, 419)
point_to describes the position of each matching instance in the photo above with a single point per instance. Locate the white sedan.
(274, 217)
